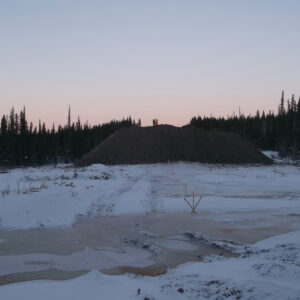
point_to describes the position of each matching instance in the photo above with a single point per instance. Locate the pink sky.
(168, 60)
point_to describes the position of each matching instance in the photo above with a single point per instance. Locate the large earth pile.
(165, 143)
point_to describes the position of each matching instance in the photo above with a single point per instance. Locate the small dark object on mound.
(165, 143)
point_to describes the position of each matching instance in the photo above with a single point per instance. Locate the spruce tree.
(69, 118)
(281, 107)
(3, 126)
(23, 122)
(12, 121)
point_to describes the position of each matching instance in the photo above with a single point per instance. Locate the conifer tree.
(12, 121)
(3, 126)
(23, 122)
(17, 124)
(281, 107)
(78, 124)
(40, 127)
(293, 104)
(69, 118)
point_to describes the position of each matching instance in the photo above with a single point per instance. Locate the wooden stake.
(193, 206)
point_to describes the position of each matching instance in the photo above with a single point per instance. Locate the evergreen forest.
(268, 131)
(23, 144)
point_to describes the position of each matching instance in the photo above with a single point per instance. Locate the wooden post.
(193, 200)
(194, 205)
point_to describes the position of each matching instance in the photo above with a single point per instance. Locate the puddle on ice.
(141, 244)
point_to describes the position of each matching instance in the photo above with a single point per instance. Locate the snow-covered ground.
(258, 201)
(51, 197)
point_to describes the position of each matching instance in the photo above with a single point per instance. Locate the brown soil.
(165, 143)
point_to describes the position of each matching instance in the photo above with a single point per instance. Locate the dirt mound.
(165, 143)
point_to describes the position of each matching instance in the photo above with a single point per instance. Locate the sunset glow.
(165, 59)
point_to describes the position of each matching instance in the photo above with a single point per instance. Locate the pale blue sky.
(165, 59)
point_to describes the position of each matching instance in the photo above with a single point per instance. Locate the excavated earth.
(165, 143)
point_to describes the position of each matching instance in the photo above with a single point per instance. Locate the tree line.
(268, 131)
(23, 144)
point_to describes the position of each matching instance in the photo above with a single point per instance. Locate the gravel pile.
(165, 143)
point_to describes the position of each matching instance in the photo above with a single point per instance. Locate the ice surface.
(255, 274)
(235, 196)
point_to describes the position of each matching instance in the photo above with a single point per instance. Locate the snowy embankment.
(269, 270)
(53, 197)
